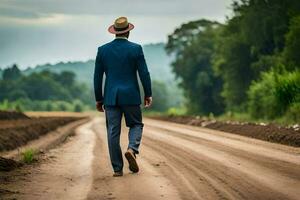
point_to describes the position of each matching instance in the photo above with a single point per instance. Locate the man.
(121, 60)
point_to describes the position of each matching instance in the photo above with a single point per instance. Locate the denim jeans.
(133, 119)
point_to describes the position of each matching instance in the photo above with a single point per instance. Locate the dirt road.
(176, 161)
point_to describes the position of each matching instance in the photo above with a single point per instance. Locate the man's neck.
(121, 37)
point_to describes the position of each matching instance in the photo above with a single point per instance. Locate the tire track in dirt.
(204, 166)
(244, 176)
(278, 166)
(176, 162)
(211, 179)
(148, 184)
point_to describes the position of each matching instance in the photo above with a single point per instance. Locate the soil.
(15, 133)
(7, 164)
(176, 162)
(268, 132)
(10, 115)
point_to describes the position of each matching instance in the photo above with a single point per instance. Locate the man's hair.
(123, 35)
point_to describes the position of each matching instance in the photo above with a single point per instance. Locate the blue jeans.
(133, 119)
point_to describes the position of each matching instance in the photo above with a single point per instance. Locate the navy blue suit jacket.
(120, 61)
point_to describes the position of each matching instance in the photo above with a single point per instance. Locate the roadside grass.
(28, 156)
(181, 111)
(229, 116)
(245, 117)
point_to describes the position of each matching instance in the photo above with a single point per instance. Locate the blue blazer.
(120, 60)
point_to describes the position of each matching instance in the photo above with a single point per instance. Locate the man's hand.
(99, 106)
(148, 102)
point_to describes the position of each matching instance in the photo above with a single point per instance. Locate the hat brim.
(112, 30)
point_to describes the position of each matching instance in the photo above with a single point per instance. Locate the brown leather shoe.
(116, 174)
(130, 156)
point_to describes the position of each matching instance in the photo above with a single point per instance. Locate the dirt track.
(176, 161)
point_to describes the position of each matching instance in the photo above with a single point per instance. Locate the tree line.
(51, 91)
(43, 90)
(249, 65)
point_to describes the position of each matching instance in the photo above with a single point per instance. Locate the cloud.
(40, 31)
(36, 8)
(17, 13)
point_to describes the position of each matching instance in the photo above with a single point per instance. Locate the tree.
(251, 41)
(78, 107)
(66, 78)
(12, 73)
(49, 106)
(232, 63)
(40, 86)
(193, 45)
(291, 52)
(40, 90)
(160, 96)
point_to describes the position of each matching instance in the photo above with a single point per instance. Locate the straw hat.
(120, 26)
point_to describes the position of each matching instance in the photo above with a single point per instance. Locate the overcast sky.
(48, 31)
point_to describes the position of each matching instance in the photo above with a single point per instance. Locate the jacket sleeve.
(144, 73)
(98, 77)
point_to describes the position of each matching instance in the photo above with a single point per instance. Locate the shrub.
(262, 102)
(287, 89)
(78, 106)
(176, 111)
(28, 156)
(293, 113)
(274, 95)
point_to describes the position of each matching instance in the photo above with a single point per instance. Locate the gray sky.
(48, 31)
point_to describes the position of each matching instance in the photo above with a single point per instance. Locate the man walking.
(121, 60)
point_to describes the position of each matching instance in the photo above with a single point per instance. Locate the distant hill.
(157, 59)
(83, 70)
